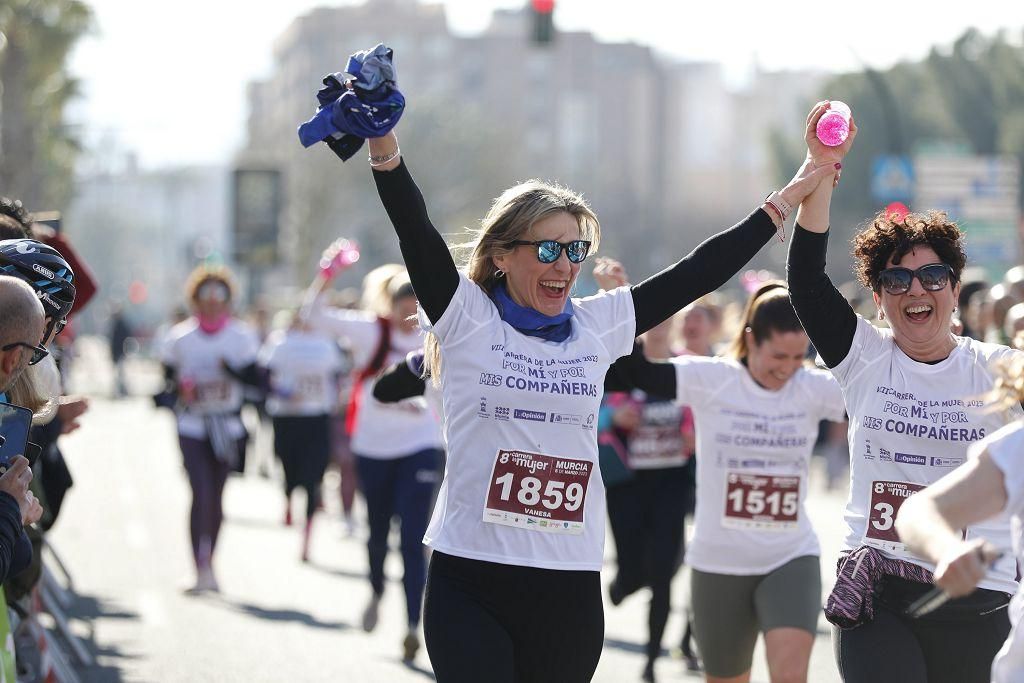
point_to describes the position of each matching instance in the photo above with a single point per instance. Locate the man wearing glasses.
(21, 329)
(21, 326)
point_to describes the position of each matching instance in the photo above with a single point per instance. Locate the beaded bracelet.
(381, 160)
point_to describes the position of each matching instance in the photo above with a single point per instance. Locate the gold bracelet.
(383, 159)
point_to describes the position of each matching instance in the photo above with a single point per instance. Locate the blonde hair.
(38, 389)
(205, 273)
(1009, 387)
(381, 286)
(511, 217)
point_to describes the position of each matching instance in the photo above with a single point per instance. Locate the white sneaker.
(370, 613)
(206, 581)
(350, 527)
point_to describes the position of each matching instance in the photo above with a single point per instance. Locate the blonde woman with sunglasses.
(513, 588)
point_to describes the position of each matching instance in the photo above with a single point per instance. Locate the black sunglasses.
(933, 277)
(548, 251)
(38, 352)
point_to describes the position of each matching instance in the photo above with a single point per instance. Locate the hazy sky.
(167, 79)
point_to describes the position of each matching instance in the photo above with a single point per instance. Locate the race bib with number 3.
(886, 499)
(761, 501)
(537, 492)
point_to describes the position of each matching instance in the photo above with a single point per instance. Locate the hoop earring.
(498, 274)
(881, 314)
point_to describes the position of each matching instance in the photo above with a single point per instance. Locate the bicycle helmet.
(46, 271)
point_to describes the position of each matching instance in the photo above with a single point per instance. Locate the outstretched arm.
(718, 258)
(827, 317)
(636, 371)
(431, 269)
(401, 380)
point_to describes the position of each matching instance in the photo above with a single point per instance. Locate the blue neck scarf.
(556, 328)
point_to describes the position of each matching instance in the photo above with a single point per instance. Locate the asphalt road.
(123, 534)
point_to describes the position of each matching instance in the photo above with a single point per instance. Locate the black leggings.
(646, 515)
(501, 623)
(954, 644)
(303, 444)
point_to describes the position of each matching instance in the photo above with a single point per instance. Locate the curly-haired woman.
(913, 398)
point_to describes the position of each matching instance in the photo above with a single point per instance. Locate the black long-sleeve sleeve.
(398, 382)
(636, 371)
(826, 315)
(703, 270)
(435, 277)
(251, 375)
(22, 557)
(432, 270)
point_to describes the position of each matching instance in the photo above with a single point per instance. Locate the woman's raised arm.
(431, 268)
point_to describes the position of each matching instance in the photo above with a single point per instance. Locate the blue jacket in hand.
(370, 108)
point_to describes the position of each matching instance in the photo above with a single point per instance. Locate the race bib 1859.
(538, 492)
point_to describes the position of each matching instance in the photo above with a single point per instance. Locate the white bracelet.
(776, 201)
(381, 160)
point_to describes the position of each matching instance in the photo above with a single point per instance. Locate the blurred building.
(665, 152)
(150, 228)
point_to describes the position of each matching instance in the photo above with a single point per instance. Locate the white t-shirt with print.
(911, 423)
(755, 448)
(1006, 448)
(304, 369)
(197, 358)
(521, 484)
(382, 431)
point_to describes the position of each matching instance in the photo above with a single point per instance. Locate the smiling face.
(772, 362)
(920, 320)
(543, 287)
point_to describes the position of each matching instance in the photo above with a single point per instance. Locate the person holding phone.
(21, 323)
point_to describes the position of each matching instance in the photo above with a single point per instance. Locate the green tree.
(968, 94)
(37, 150)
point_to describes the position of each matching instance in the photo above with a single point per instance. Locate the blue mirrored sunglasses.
(548, 251)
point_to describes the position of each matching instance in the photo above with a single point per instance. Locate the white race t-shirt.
(754, 449)
(911, 423)
(521, 484)
(382, 430)
(197, 358)
(304, 369)
(1006, 448)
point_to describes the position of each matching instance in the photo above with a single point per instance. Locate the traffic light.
(543, 12)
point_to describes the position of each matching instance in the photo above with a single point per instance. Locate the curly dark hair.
(892, 236)
(15, 221)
